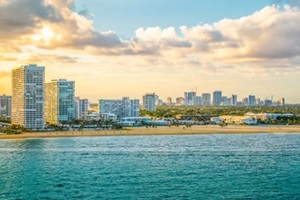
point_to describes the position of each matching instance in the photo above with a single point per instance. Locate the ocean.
(237, 166)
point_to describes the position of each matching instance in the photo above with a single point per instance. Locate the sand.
(181, 130)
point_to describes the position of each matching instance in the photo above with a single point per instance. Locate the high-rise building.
(196, 101)
(59, 101)
(81, 107)
(233, 100)
(169, 100)
(217, 98)
(5, 106)
(206, 98)
(122, 108)
(251, 100)
(149, 101)
(189, 97)
(180, 101)
(281, 101)
(28, 96)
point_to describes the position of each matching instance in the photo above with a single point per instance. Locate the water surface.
(252, 166)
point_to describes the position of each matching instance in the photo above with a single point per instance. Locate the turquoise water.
(256, 166)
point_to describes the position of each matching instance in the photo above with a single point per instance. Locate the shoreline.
(143, 131)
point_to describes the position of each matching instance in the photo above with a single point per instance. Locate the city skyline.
(243, 49)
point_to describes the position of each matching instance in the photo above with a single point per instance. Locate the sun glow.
(46, 35)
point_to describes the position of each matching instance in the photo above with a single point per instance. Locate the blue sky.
(131, 47)
(125, 16)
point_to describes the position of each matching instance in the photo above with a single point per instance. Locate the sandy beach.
(181, 130)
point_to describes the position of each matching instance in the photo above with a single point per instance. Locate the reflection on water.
(259, 166)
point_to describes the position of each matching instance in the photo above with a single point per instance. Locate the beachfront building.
(81, 107)
(28, 96)
(5, 106)
(206, 98)
(135, 121)
(59, 101)
(149, 102)
(217, 98)
(122, 108)
(248, 120)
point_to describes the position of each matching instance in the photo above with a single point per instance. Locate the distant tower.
(28, 96)
(217, 98)
(206, 98)
(169, 100)
(233, 100)
(149, 101)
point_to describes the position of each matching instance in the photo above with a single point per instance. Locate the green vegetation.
(5, 120)
(165, 111)
(13, 129)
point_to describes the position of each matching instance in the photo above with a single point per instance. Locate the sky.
(114, 48)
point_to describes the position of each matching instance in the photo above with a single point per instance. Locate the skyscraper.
(206, 98)
(217, 98)
(251, 100)
(5, 106)
(149, 102)
(59, 101)
(28, 96)
(81, 107)
(189, 97)
(196, 101)
(233, 100)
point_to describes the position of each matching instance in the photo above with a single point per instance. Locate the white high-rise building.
(5, 106)
(149, 102)
(59, 101)
(122, 108)
(28, 96)
(81, 107)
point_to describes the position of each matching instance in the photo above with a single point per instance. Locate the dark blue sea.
(250, 166)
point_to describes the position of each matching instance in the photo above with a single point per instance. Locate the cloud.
(39, 58)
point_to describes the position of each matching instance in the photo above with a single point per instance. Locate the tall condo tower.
(149, 102)
(59, 104)
(28, 96)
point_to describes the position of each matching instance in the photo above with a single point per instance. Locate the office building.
(5, 106)
(169, 100)
(149, 102)
(196, 101)
(189, 97)
(59, 101)
(281, 101)
(121, 108)
(217, 98)
(251, 100)
(206, 98)
(180, 101)
(81, 107)
(233, 100)
(28, 96)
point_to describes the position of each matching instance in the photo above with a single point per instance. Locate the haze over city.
(113, 49)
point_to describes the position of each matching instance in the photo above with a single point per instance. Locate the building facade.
(59, 101)
(149, 102)
(233, 100)
(81, 107)
(5, 106)
(251, 100)
(28, 96)
(197, 101)
(206, 99)
(189, 97)
(217, 98)
(121, 108)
